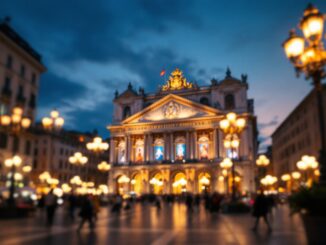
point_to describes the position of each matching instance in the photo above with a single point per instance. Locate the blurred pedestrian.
(189, 202)
(158, 202)
(86, 213)
(260, 209)
(72, 204)
(50, 202)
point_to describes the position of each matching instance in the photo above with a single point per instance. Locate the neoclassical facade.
(170, 141)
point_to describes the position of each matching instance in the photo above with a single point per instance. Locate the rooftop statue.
(176, 82)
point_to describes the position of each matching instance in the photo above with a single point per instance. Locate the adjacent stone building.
(20, 70)
(297, 135)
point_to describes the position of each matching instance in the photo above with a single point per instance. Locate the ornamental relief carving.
(171, 110)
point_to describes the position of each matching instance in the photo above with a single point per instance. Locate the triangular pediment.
(171, 107)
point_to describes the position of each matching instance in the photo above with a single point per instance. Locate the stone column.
(145, 148)
(215, 153)
(150, 147)
(220, 144)
(112, 151)
(165, 138)
(195, 149)
(129, 150)
(187, 145)
(172, 147)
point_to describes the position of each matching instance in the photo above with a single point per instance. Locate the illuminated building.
(170, 141)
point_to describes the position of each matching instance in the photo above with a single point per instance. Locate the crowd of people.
(88, 206)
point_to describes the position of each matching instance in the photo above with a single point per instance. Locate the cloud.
(271, 123)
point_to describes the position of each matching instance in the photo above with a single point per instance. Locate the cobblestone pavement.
(144, 224)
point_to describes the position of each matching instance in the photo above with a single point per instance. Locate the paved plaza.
(144, 224)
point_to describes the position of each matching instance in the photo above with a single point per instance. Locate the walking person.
(86, 213)
(260, 209)
(50, 202)
(72, 202)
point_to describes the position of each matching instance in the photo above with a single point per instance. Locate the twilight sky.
(92, 48)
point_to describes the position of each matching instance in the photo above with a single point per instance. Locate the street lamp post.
(15, 124)
(262, 162)
(226, 164)
(306, 164)
(12, 163)
(308, 56)
(98, 146)
(232, 127)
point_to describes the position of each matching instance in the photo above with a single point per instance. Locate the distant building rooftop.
(9, 32)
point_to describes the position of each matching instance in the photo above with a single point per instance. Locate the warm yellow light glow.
(262, 161)
(15, 161)
(54, 114)
(204, 180)
(226, 163)
(293, 46)
(296, 175)
(235, 143)
(5, 120)
(231, 116)
(302, 165)
(221, 178)
(47, 122)
(241, 122)
(17, 111)
(78, 158)
(312, 23)
(59, 122)
(286, 177)
(104, 166)
(66, 188)
(123, 179)
(224, 172)
(58, 192)
(224, 124)
(44, 176)
(97, 145)
(27, 169)
(268, 180)
(76, 180)
(16, 118)
(26, 122)
(317, 172)
(237, 179)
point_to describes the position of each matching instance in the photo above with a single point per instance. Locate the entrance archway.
(122, 184)
(204, 182)
(179, 184)
(156, 183)
(136, 184)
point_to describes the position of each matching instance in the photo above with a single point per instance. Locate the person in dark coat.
(86, 213)
(260, 209)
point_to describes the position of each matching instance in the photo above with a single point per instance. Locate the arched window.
(203, 145)
(229, 102)
(139, 151)
(122, 152)
(204, 101)
(126, 112)
(159, 149)
(180, 148)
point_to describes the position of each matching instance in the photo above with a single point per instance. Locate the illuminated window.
(139, 151)
(122, 152)
(203, 147)
(180, 148)
(159, 150)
